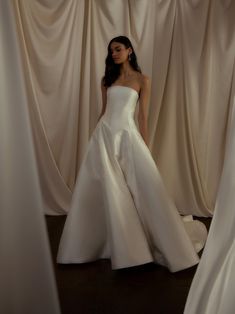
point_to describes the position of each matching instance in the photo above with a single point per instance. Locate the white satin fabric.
(212, 289)
(120, 208)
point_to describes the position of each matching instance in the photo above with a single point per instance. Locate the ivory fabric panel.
(27, 283)
(185, 46)
(195, 47)
(212, 289)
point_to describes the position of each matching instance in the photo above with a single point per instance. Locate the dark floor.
(94, 288)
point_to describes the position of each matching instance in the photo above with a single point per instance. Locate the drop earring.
(129, 57)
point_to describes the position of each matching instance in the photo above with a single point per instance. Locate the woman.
(120, 209)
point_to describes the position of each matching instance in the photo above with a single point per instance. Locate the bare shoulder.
(144, 80)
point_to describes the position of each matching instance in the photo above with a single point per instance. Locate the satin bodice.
(120, 107)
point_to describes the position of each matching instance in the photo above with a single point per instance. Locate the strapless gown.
(120, 208)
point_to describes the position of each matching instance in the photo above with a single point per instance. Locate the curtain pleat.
(27, 283)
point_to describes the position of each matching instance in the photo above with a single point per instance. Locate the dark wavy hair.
(112, 70)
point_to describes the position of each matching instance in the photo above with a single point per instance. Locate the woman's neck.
(126, 70)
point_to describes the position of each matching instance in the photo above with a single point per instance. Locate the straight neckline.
(125, 87)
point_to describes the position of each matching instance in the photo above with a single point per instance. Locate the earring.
(129, 57)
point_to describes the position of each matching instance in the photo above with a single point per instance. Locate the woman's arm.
(143, 108)
(104, 99)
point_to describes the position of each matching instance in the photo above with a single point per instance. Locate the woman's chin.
(118, 61)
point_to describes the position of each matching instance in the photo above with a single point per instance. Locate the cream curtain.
(27, 283)
(212, 289)
(185, 46)
(194, 61)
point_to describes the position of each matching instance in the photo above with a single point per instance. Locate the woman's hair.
(112, 70)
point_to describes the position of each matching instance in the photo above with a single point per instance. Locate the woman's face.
(119, 52)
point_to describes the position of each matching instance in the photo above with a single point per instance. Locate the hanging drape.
(27, 283)
(212, 289)
(189, 110)
(185, 46)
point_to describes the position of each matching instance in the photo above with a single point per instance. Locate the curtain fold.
(27, 283)
(212, 289)
(187, 49)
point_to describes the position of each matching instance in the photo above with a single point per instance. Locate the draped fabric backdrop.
(185, 46)
(212, 289)
(27, 283)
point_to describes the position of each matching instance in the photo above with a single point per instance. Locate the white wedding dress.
(120, 208)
